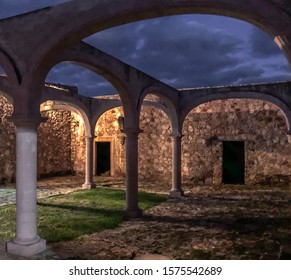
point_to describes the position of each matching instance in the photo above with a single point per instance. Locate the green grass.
(66, 217)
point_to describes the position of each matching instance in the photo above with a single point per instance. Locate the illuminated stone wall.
(77, 145)
(259, 124)
(61, 143)
(54, 139)
(7, 142)
(54, 143)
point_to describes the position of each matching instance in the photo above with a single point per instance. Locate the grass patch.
(66, 217)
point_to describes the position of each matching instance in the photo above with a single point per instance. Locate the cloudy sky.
(182, 51)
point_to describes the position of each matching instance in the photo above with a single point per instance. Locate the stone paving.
(46, 187)
(223, 222)
(233, 222)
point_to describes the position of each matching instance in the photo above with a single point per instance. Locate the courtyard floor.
(210, 222)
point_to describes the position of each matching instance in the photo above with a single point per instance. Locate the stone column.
(176, 190)
(26, 242)
(89, 164)
(132, 210)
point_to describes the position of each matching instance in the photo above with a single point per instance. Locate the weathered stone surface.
(7, 142)
(77, 144)
(211, 222)
(260, 124)
(54, 138)
(61, 145)
(54, 143)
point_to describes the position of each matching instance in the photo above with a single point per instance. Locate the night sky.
(182, 51)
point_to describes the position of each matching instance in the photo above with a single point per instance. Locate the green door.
(233, 170)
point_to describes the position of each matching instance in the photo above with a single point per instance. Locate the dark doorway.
(233, 170)
(103, 158)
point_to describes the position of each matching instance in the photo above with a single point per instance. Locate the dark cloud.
(88, 83)
(262, 45)
(183, 51)
(172, 49)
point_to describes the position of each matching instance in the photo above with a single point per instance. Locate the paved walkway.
(8, 195)
(222, 222)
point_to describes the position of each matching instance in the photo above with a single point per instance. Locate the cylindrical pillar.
(89, 164)
(26, 241)
(132, 210)
(176, 190)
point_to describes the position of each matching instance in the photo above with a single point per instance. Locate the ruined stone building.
(231, 134)
(248, 135)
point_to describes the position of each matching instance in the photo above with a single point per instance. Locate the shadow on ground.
(223, 222)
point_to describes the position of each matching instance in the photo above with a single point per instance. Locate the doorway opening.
(103, 152)
(233, 166)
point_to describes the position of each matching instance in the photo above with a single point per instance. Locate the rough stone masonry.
(261, 125)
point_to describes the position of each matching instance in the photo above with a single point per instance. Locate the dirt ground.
(210, 222)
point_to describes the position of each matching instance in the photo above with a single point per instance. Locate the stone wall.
(108, 130)
(155, 149)
(259, 124)
(54, 138)
(262, 127)
(53, 145)
(7, 142)
(77, 145)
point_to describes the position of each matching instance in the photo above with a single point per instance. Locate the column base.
(88, 186)
(27, 250)
(132, 214)
(176, 193)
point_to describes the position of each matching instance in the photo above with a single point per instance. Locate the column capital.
(27, 122)
(89, 137)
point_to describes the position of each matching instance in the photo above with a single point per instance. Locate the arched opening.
(155, 158)
(97, 16)
(200, 50)
(109, 144)
(154, 142)
(65, 125)
(212, 130)
(54, 144)
(87, 82)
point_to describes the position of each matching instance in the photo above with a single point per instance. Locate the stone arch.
(5, 88)
(96, 16)
(95, 63)
(114, 71)
(148, 140)
(102, 107)
(4, 93)
(258, 124)
(108, 130)
(10, 69)
(241, 95)
(168, 106)
(58, 105)
(155, 143)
